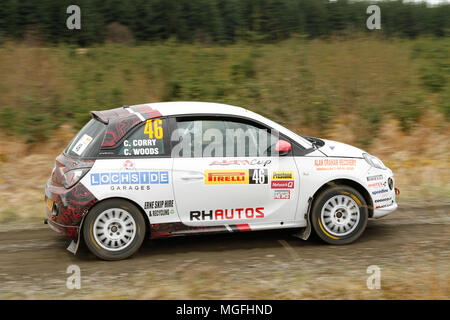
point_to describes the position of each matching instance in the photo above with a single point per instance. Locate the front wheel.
(339, 215)
(114, 229)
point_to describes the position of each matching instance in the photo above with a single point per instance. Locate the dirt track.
(412, 248)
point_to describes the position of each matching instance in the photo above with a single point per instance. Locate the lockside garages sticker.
(129, 178)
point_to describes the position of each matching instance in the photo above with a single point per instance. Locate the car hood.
(339, 149)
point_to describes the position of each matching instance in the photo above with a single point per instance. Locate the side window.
(247, 140)
(200, 138)
(147, 140)
(222, 138)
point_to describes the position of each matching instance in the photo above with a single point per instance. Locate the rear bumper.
(70, 232)
(65, 208)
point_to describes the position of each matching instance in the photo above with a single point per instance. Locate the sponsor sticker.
(226, 177)
(227, 214)
(159, 208)
(283, 175)
(383, 200)
(128, 165)
(134, 177)
(253, 162)
(246, 176)
(385, 205)
(282, 194)
(380, 191)
(375, 178)
(334, 164)
(375, 184)
(286, 184)
(160, 212)
(158, 204)
(82, 144)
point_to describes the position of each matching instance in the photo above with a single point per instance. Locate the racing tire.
(339, 215)
(114, 229)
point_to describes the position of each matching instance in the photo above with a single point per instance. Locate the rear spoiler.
(97, 115)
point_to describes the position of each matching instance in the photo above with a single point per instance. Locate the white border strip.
(136, 113)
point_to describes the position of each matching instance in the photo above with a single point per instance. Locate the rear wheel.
(114, 229)
(339, 215)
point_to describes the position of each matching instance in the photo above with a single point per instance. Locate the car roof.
(158, 109)
(195, 107)
(122, 120)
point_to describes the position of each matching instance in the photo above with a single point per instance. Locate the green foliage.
(433, 78)
(243, 70)
(407, 112)
(318, 114)
(444, 103)
(299, 83)
(370, 125)
(172, 91)
(435, 64)
(7, 119)
(37, 122)
(220, 21)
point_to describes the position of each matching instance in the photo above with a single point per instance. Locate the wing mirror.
(283, 147)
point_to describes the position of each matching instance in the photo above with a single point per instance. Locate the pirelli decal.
(238, 176)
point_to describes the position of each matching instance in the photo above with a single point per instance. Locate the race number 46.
(258, 176)
(154, 129)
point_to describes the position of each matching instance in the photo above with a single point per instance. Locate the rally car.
(181, 168)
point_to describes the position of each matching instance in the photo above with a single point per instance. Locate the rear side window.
(147, 140)
(87, 142)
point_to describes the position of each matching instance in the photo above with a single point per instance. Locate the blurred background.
(311, 65)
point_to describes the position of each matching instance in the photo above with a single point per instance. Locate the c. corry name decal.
(147, 141)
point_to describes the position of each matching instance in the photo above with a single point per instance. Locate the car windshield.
(87, 142)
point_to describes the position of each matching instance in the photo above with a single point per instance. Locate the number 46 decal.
(154, 129)
(258, 176)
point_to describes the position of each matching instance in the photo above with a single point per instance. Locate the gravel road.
(411, 247)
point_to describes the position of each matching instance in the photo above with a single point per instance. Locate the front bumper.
(383, 195)
(382, 212)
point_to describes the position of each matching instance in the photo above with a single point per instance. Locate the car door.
(226, 171)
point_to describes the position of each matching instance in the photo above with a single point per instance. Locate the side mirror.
(283, 147)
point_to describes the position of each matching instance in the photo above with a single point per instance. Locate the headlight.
(374, 161)
(73, 176)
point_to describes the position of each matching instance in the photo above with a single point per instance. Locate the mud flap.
(73, 246)
(305, 232)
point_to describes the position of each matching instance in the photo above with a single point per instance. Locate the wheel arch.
(347, 182)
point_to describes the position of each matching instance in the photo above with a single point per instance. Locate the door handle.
(192, 177)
